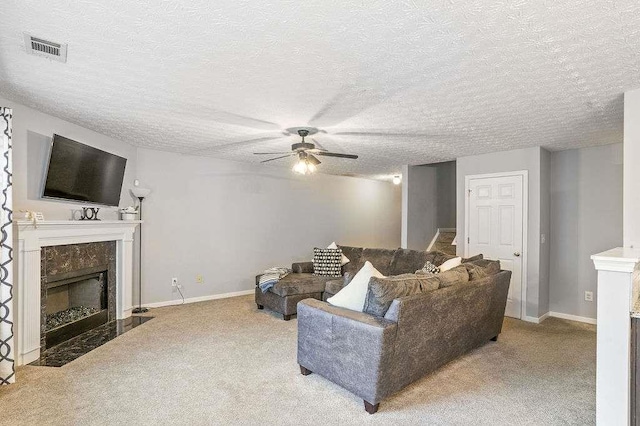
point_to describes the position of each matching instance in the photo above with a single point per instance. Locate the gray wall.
(586, 218)
(32, 133)
(631, 205)
(521, 159)
(224, 220)
(419, 206)
(428, 202)
(229, 221)
(446, 189)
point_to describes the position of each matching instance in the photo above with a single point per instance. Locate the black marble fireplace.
(78, 290)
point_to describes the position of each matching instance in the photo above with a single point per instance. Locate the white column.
(28, 326)
(124, 300)
(616, 297)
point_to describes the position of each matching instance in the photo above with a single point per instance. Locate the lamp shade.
(139, 192)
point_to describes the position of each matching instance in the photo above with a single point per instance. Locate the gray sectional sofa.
(302, 284)
(376, 356)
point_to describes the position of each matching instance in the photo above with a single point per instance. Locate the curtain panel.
(7, 348)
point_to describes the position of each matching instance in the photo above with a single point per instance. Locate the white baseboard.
(535, 320)
(572, 317)
(538, 320)
(198, 299)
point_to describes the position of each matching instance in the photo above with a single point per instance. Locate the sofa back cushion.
(382, 291)
(473, 258)
(437, 257)
(453, 276)
(482, 268)
(407, 261)
(354, 254)
(379, 258)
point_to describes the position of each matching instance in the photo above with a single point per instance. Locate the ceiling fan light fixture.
(397, 180)
(300, 167)
(306, 164)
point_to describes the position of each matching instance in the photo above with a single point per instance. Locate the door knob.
(516, 254)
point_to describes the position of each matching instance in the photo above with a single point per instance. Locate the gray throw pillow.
(473, 258)
(482, 268)
(382, 291)
(437, 257)
(453, 276)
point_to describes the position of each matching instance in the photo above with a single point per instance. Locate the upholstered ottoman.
(285, 295)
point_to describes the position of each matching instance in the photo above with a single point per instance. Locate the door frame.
(525, 226)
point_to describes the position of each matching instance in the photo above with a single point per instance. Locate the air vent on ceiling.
(46, 48)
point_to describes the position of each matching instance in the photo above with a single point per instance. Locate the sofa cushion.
(379, 258)
(438, 257)
(335, 285)
(355, 259)
(300, 284)
(382, 291)
(473, 258)
(407, 261)
(302, 267)
(482, 268)
(453, 276)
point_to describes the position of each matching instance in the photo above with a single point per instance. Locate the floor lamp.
(140, 194)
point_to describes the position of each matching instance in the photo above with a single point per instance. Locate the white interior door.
(495, 228)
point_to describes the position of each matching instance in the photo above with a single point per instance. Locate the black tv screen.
(78, 172)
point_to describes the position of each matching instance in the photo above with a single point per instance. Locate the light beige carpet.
(224, 362)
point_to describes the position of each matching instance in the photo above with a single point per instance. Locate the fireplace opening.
(75, 304)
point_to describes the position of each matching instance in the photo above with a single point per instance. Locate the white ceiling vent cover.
(46, 48)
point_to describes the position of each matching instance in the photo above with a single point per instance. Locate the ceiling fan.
(306, 153)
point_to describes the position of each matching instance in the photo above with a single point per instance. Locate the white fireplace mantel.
(32, 237)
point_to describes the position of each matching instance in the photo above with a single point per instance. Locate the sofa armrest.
(350, 348)
(302, 267)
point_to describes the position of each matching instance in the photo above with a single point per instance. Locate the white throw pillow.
(353, 295)
(345, 259)
(450, 264)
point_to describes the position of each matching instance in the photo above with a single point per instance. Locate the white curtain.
(7, 348)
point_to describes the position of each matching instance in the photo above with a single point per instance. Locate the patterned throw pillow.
(428, 268)
(327, 262)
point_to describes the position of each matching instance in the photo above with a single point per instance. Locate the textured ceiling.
(432, 80)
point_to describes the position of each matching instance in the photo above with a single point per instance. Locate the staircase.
(442, 241)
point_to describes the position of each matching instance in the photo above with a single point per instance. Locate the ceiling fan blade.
(271, 153)
(394, 134)
(313, 160)
(334, 154)
(278, 158)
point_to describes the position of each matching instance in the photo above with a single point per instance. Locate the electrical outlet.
(588, 296)
(174, 282)
(199, 279)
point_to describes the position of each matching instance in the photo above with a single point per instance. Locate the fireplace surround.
(31, 240)
(78, 290)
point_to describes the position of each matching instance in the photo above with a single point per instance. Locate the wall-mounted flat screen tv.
(78, 172)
